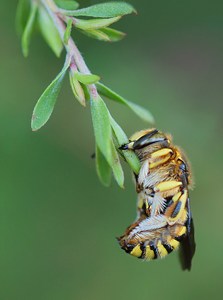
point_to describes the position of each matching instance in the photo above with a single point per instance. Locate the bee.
(164, 220)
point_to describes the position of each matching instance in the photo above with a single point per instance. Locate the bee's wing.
(187, 245)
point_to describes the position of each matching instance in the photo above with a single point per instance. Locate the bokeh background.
(58, 223)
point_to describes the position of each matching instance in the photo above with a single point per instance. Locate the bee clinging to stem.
(164, 221)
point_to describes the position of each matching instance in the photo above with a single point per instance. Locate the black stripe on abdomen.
(155, 250)
(168, 247)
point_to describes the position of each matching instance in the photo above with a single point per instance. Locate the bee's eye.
(182, 166)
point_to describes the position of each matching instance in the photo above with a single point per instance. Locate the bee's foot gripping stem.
(124, 147)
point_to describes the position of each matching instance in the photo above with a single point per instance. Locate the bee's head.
(150, 137)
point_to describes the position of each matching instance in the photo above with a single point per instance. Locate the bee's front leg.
(128, 146)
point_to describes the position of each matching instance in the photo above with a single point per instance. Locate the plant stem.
(71, 47)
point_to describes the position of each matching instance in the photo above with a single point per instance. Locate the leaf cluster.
(55, 21)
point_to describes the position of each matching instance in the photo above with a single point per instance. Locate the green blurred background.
(58, 224)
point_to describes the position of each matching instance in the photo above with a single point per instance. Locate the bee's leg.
(140, 205)
(128, 146)
(176, 207)
(166, 186)
(143, 205)
(160, 157)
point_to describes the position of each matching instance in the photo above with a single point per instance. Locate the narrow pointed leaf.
(113, 34)
(87, 78)
(105, 34)
(49, 31)
(96, 34)
(77, 89)
(102, 127)
(95, 23)
(103, 10)
(122, 139)
(103, 169)
(22, 14)
(26, 37)
(117, 167)
(45, 105)
(67, 4)
(86, 92)
(67, 31)
(143, 113)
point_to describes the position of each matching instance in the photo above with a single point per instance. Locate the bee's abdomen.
(164, 242)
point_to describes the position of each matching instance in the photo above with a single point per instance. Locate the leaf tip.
(25, 52)
(57, 54)
(151, 119)
(34, 128)
(33, 123)
(105, 184)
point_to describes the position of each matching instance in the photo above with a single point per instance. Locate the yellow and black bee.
(164, 220)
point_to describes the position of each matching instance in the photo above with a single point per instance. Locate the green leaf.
(86, 92)
(105, 34)
(122, 139)
(49, 31)
(87, 78)
(95, 23)
(103, 10)
(26, 37)
(103, 136)
(143, 113)
(96, 34)
(102, 127)
(67, 4)
(22, 14)
(103, 169)
(77, 89)
(67, 32)
(45, 105)
(112, 34)
(117, 167)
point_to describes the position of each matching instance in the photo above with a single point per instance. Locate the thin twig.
(71, 47)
